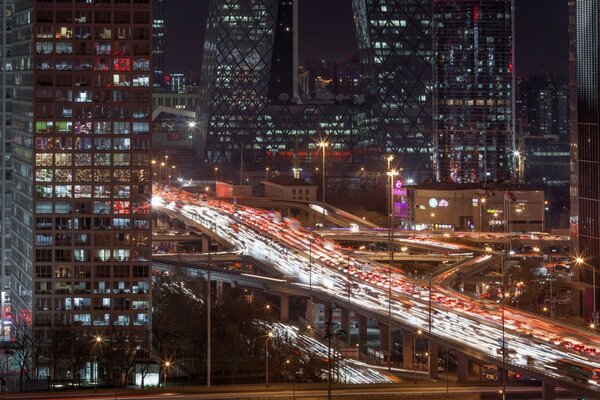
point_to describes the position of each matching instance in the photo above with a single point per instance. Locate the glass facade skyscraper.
(473, 96)
(81, 235)
(250, 111)
(395, 45)
(588, 145)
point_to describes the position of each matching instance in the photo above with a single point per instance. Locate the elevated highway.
(471, 327)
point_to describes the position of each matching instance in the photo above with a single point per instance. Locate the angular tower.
(394, 40)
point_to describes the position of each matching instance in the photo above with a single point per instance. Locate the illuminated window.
(83, 160)
(43, 127)
(102, 128)
(63, 159)
(121, 160)
(101, 191)
(102, 159)
(83, 191)
(83, 175)
(44, 175)
(122, 64)
(63, 175)
(102, 175)
(63, 191)
(43, 191)
(122, 192)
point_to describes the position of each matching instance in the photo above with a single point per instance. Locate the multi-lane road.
(535, 346)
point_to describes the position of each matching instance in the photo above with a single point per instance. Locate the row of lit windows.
(85, 192)
(85, 304)
(100, 223)
(85, 239)
(87, 127)
(95, 64)
(87, 160)
(66, 271)
(117, 191)
(87, 144)
(85, 255)
(85, 32)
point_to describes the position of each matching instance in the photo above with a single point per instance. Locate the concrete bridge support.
(384, 337)
(362, 330)
(462, 367)
(346, 323)
(219, 290)
(284, 307)
(408, 349)
(433, 359)
(548, 391)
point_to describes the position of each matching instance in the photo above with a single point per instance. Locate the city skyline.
(541, 34)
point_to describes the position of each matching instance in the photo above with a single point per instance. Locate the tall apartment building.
(473, 97)
(588, 147)
(82, 103)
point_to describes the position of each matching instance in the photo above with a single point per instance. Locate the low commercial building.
(284, 187)
(471, 207)
(230, 190)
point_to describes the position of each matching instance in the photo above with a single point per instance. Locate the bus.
(580, 372)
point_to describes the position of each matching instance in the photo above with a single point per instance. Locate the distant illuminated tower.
(473, 97)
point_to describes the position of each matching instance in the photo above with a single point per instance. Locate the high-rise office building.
(251, 112)
(542, 127)
(394, 41)
(158, 42)
(5, 166)
(588, 145)
(82, 100)
(473, 96)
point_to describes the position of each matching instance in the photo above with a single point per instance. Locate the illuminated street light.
(269, 336)
(166, 366)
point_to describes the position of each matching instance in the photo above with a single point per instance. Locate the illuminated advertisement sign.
(400, 199)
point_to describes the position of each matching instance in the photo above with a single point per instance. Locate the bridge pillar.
(408, 349)
(462, 367)
(284, 307)
(433, 359)
(548, 391)
(346, 322)
(310, 312)
(219, 290)
(362, 330)
(384, 337)
(205, 243)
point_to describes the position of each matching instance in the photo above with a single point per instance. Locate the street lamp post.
(481, 204)
(579, 261)
(269, 336)
(432, 221)
(166, 366)
(391, 173)
(323, 144)
(98, 340)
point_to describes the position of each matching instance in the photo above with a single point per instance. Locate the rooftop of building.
(286, 180)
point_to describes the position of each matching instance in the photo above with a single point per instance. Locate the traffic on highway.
(321, 265)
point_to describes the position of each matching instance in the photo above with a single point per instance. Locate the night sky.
(327, 31)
